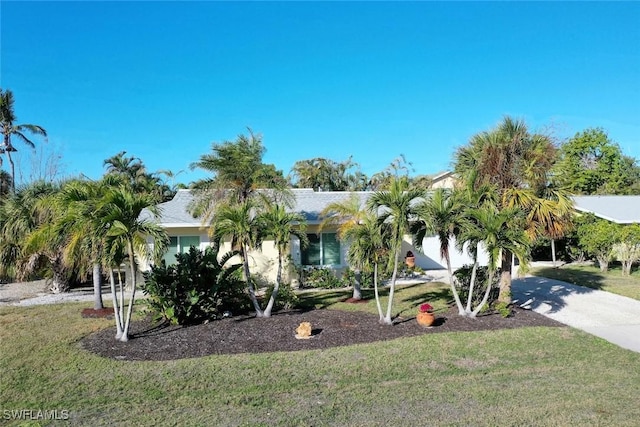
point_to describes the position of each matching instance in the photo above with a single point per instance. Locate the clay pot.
(425, 319)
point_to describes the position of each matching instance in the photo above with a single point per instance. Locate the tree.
(127, 234)
(11, 129)
(346, 215)
(590, 163)
(28, 242)
(441, 214)
(597, 237)
(517, 163)
(328, 175)
(279, 225)
(239, 221)
(395, 206)
(369, 247)
(6, 183)
(627, 248)
(131, 171)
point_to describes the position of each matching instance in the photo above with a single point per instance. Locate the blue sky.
(372, 80)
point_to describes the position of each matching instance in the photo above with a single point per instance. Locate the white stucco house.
(324, 250)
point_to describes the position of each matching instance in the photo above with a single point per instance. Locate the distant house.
(324, 250)
(445, 179)
(618, 209)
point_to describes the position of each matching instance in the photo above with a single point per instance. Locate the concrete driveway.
(603, 314)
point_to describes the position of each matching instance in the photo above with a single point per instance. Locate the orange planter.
(425, 319)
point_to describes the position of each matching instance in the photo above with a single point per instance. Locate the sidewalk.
(609, 316)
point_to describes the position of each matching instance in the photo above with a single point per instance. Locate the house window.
(179, 244)
(323, 249)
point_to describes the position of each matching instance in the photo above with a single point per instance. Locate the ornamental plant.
(425, 308)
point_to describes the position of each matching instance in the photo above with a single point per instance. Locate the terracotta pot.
(425, 319)
(410, 261)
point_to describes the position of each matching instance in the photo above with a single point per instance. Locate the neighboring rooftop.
(618, 209)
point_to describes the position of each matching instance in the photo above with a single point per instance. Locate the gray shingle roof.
(618, 209)
(174, 213)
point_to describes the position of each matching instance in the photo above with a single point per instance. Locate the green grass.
(591, 277)
(522, 377)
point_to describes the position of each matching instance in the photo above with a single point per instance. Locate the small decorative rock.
(303, 332)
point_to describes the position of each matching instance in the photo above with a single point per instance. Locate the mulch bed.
(248, 334)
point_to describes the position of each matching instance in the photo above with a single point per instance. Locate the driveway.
(603, 314)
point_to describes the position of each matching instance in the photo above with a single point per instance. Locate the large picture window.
(179, 244)
(323, 249)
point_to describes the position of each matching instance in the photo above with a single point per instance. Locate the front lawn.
(591, 277)
(545, 376)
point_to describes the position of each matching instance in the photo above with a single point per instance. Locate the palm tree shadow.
(549, 295)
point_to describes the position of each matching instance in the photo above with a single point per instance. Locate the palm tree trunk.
(121, 293)
(132, 261)
(252, 291)
(116, 311)
(97, 287)
(13, 168)
(276, 288)
(375, 291)
(553, 252)
(387, 319)
(60, 283)
(474, 272)
(505, 277)
(454, 291)
(357, 292)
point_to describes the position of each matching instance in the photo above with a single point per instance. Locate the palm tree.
(346, 215)
(395, 207)
(240, 222)
(498, 231)
(28, 240)
(127, 234)
(369, 246)
(11, 129)
(6, 182)
(441, 213)
(279, 225)
(510, 158)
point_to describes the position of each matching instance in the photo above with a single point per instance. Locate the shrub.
(198, 287)
(348, 278)
(463, 283)
(287, 297)
(318, 277)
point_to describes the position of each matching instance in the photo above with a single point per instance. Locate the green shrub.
(348, 278)
(286, 299)
(463, 283)
(318, 277)
(198, 287)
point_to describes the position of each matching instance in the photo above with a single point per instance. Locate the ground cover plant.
(592, 277)
(523, 376)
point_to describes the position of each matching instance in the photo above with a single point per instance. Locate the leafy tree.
(6, 183)
(597, 237)
(10, 128)
(280, 226)
(395, 206)
(590, 163)
(627, 247)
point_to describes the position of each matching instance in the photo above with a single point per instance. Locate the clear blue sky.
(163, 80)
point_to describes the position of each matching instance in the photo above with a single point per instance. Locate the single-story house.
(324, 250)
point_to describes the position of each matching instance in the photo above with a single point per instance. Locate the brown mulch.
(247, 334)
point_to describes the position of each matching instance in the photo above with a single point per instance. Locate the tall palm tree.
(10, 128)
(280, 226)
(510, 158)
(441, 214)
(240, 222)
(346, 215)
(498, 230)
(396, 207)
(126, 233)
(369, 247)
